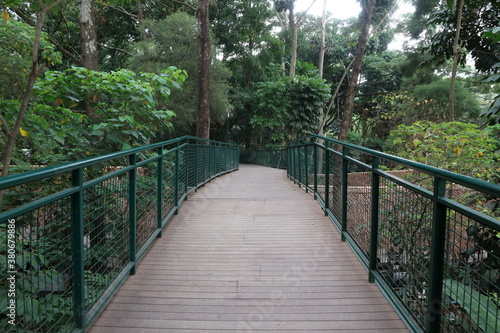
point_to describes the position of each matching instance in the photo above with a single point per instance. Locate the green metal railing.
(71, 234)
(428, 237)
(268, 157)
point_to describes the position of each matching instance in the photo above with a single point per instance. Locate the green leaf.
(59, 139)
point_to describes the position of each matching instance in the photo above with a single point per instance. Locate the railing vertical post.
(176, 180)
(306, 168)
(132, 200)
(294, 164)
(289, 166)
(77, 250)
(374, 220)
(315, 166)
(186, 167)
(300, 167)
(225, 150)
(288, 161)
(327, 177)
(438, 240)
(209, 160)
(196, 165)
(159, 206)
(345, 152)
(203, 162)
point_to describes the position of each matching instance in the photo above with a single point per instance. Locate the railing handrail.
(49, 171)
(477, 184)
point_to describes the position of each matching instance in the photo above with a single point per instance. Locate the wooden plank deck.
(249, 252)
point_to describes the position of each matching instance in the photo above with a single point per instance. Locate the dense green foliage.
(453, 146)
(172, 41)
(16, 44)
(288, 108)
(57, 129)
(252, 101)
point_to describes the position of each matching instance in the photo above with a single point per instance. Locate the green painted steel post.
(132, 199)
(345, 152)
(327, 177)
(315, 166)
(372, 266)
(196, 165)
(176, 180)
(203, 162)
(77, 234)
(306, 168)
(209, 161)
(300, 168)
(186, 167)
(288, 162)
(159, 204)
(295, 162)
(227, 155)
(438, 241)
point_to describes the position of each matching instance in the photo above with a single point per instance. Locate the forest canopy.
(96, 76)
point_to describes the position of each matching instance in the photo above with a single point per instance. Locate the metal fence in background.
(71, 234)
(268, 157)
(428, 237)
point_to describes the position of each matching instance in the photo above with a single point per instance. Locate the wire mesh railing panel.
(271, 157)
(146, 202)
(335, 185)
(403, 252)
(321, 183)
(36, 293)
(106, 235)
(358, 207)
(192, 171)
(23, 194)
(168, 184)
(471, 285)
(183, 172)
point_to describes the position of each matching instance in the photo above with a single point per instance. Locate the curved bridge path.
(249, 252)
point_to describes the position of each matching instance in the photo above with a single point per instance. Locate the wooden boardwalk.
(249, 252)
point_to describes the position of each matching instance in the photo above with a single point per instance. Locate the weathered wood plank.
(249, 252)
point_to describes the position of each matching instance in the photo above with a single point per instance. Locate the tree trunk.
(456, 57)
(140, 19)
(293, 29)
(346, 119)
(322, 50)
(88, 35)
(88, 38)
(321, 63)
(203, 116)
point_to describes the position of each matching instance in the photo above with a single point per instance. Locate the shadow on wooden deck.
(249, 252)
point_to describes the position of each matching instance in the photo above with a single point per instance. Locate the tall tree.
(204, 44)
(282, 6)
(88, 35)
(321, 62)
(457, 45)
(346, 120)
(36, 69)
(90, 55)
